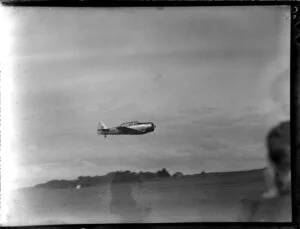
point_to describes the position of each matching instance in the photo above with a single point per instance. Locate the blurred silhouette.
(274, 205)
(123, 202)
(278, 174)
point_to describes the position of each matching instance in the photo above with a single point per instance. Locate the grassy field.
(218, 197)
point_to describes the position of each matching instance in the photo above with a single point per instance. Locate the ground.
(218, 197)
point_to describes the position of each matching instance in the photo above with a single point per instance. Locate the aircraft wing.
(128, 130)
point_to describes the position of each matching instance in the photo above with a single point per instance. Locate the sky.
(212, 79)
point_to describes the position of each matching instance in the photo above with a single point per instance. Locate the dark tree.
(163, 173)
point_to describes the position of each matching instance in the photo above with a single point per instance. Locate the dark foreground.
(220, 197)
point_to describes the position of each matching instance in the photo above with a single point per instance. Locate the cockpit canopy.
(130, 123)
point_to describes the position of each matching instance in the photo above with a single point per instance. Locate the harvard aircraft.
(127, 128)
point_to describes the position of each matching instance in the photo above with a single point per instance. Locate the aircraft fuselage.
(131, 128)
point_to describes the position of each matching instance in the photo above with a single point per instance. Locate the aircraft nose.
(153, 126)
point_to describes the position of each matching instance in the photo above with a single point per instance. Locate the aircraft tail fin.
(102, 126)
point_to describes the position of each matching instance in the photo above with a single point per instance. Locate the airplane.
(127, 128)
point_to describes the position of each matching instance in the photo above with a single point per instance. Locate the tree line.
(116, 177)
